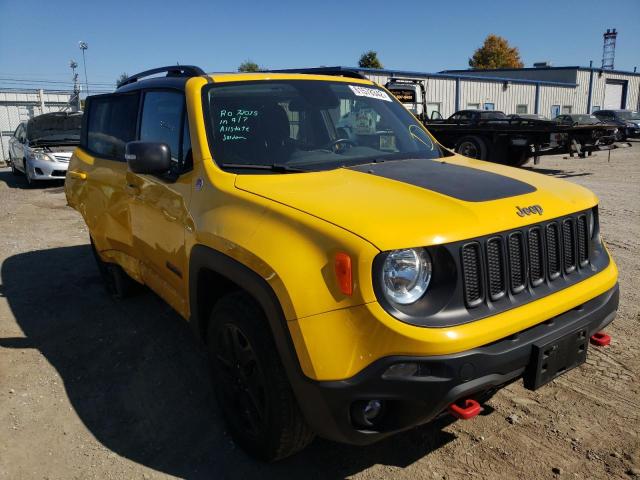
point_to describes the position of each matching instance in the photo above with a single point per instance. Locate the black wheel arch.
(206, 261)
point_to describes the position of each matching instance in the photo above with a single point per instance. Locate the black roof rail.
(323, 71)
(172, 71)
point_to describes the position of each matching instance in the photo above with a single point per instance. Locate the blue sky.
(38, 38)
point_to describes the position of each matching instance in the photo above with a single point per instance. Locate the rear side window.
(162, 121)
(111, 123)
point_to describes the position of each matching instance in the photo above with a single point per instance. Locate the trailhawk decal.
(370, 92)
(464, 183)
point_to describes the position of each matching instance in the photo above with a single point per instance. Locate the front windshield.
(493, 116)
(629, 115)
(310, 125)
(586, 119)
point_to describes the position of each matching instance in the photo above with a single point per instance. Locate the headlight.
(406, 275)
(41, 156)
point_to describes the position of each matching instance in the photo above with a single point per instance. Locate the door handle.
(77, 175)
(132, 189)
(168, 216)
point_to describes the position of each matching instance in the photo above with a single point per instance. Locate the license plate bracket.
(552, 358)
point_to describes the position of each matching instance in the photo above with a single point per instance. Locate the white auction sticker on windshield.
(370, 92)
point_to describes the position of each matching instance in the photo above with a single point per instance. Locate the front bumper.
(443, 379)
(47, 170)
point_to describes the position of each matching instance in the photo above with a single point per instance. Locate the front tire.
(250, 384)
(30, 181)
(14, 170)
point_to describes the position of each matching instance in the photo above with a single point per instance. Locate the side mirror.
(148, 157)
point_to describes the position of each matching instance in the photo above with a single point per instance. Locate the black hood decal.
(463, 183)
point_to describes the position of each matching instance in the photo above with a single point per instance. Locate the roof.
(443, 75)
(179, 82)
(622, 72)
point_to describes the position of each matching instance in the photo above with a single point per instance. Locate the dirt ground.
(91, 387)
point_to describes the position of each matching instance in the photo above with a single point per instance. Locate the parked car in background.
(628, 122)
(41, 147)
(577, 119)
(527, 116)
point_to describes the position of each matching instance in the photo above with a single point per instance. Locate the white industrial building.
(548, 91)
(19, 105)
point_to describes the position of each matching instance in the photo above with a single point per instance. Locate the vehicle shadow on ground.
(556, 172)
(20, 181)
(137, 379)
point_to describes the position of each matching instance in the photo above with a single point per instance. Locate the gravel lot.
(96, 388)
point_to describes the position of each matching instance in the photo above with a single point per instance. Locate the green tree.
(496, 53)
(370, 60)
(123, 76)
(249, 66)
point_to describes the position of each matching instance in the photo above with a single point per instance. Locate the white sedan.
(41, 147)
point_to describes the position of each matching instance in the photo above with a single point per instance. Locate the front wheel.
(30, 181)
(14, 170)
(250, 384)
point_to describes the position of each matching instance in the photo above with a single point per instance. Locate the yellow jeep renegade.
(349, 276)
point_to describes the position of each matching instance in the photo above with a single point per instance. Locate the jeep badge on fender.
(529, 210)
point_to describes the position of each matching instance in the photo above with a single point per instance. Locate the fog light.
(364, 413)
(400, 370)
(372, 409)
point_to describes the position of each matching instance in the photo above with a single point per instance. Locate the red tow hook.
(600, 339)
(469, 409)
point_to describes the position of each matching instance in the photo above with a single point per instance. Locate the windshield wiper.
(275, 167)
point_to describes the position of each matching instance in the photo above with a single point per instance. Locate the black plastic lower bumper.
(441, 380)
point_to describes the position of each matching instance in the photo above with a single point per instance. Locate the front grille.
(495, 267)
(524, 260)
(517, 263)
(58, 173)
(568, 246)
(61, 159)
(536, 256)
(583, 241)
(472, 272)
(553, 251)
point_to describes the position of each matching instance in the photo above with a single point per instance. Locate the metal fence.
(19, 105)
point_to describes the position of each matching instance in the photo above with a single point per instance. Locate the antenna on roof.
(609, 49)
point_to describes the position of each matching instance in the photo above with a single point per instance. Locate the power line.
(12, 79)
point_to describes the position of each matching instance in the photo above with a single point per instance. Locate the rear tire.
(115, 280)
(472, 146)
(517, 159)
(252, 390)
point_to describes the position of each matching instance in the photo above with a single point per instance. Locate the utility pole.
(83, 46)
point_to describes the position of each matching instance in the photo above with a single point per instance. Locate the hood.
(418, 202)
(57, 127)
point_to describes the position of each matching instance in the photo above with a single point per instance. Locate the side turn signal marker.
(343, 273)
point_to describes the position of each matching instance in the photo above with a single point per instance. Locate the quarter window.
(111, 124)
(162, 118)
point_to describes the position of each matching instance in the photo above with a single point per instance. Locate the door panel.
(159, 218)
(159, 205)
(95, 184)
